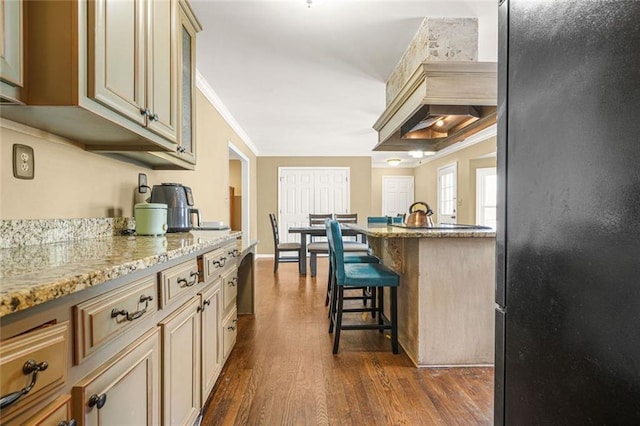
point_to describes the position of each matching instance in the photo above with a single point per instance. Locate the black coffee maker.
(179, 201)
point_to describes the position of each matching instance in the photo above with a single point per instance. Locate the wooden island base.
(446, 294)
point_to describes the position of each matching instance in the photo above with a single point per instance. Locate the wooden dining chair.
(317, 246)
(282, 247)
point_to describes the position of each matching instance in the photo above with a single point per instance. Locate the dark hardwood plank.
(282, 370)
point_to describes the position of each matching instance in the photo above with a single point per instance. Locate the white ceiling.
(310, 81)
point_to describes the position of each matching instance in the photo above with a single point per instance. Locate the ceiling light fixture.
(440, 123)
(309, 4)
(393, 161)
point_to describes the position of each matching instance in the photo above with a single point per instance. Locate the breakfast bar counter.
(446, 293)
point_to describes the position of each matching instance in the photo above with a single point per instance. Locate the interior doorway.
(397, 194)
(235, 154)
(305, 190)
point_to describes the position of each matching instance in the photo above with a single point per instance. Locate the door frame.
(237, 154)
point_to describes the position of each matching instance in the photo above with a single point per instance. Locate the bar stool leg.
(332, 306)
(394, 319)
(380, 308)
(336, 336)
(326, 299)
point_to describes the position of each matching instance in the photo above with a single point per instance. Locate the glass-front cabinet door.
(187, 30)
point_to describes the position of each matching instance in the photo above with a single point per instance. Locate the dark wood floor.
(282, 370)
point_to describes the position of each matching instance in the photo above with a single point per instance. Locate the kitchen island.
(446, 293)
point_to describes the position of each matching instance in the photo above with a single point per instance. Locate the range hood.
(442, 103)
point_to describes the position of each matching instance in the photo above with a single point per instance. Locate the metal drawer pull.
(233, 282)
(205, 303)
(234, 253)
(184, 283)
(134, 316)
(234, 326)
(71, 422)
(220, 263)
(29, 367)
(97, 401)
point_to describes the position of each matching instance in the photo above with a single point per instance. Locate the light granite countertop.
(381, 231)
(34, 274)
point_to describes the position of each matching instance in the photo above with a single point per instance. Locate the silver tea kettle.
(179, 201)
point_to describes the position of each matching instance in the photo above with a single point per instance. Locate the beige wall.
(376, 185)
(360, 190)
(73, 183)
(468, 160)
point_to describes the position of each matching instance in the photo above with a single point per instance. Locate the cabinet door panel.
(117, 56)
(211, 339)
(162, 97)
(181, 365)
(11, 41)
(131, 386)
(187, 43)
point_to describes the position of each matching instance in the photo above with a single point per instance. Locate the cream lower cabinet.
(181, 364)
(58, 413)
(125, 390)
(211, 339)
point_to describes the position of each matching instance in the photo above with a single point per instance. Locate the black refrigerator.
(568, 236)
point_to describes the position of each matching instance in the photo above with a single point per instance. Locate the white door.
(448, 194)
(304, 190)
(486, 196)
(397, 194)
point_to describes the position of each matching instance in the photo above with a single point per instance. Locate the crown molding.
(217, 103)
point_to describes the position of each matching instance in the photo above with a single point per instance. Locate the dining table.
(318, 231)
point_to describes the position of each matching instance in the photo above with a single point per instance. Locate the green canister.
(151, 218)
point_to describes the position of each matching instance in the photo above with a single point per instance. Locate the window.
(447, 193)
(486, 195)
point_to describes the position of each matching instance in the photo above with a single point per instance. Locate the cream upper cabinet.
(115, 68)
(11, 76)
(162, 73)
(132, 66)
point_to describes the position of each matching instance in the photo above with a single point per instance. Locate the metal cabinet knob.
(97, 401)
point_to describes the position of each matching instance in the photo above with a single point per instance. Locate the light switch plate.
(23, 162)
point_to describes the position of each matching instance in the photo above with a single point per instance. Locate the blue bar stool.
(354, 275)
(349, 258)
